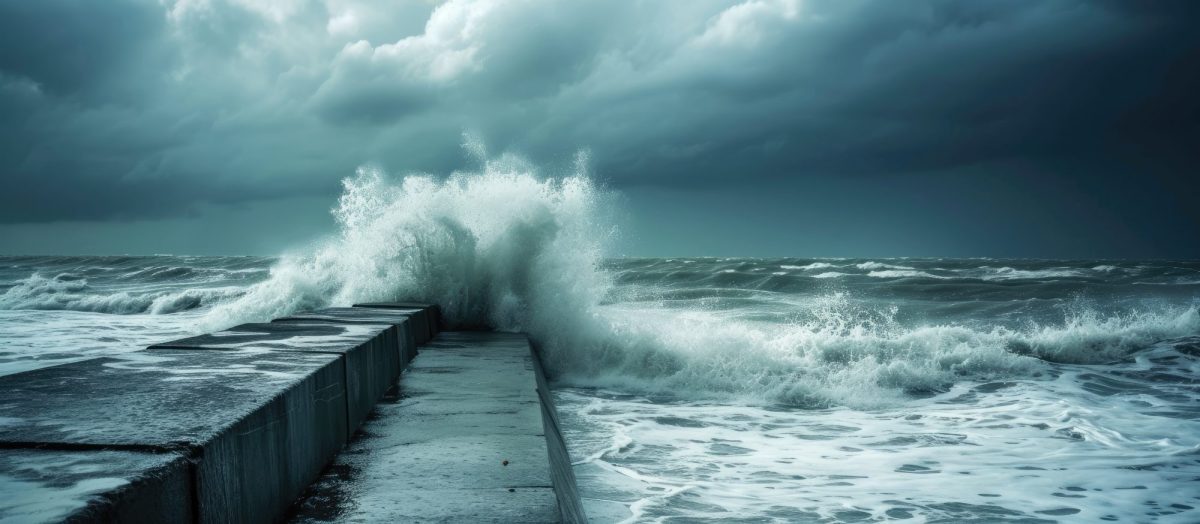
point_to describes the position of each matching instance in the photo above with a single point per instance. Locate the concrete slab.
(259, 424)
(429, 313)
(434, 417)
(455, 462)
(372, 361)
(409, 329)
(464, 429)
(499, 506)
(40, 485)
(469, 374)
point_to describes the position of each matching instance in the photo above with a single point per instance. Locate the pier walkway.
(462, 439)
(236, 426)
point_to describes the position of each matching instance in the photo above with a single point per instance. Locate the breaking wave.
(879, 265)
(901, 273)
(843, 354)
(500, 246)
(506, 247)
(1008, 273)
(66, 291)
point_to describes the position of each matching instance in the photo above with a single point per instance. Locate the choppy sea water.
(55, 310)
(765, 390)
(752, 390)
(871, 390)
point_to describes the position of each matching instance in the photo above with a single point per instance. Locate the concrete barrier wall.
(413, 328)
(372, 353)
(227, 427)
(49, 485)
(427, 315)
(562, 475)
(254, 429)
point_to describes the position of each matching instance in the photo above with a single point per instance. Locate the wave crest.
(67, 291)
(840, 353)
(491, 247)
(505, 248)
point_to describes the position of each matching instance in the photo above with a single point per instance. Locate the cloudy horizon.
(756, 128)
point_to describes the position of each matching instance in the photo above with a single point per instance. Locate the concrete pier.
(428, 316)
(234, 426)
(373, 354)
(412, 329)
(463, 440)
(226, 427)
(48, 485)
(256, 427)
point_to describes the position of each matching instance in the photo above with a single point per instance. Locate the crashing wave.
(502, 246)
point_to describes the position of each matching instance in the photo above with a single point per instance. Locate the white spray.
(504, 247)
(491, 247)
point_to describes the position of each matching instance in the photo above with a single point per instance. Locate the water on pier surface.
(780, 390)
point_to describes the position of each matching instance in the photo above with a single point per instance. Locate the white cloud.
(449, 47)
(749, 24)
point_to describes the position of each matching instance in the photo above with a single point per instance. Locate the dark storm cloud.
(71, 46)
(939, 86)
(146, 109)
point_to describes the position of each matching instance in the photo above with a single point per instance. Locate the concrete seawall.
(225, 427)
(234, 426)
(562, 474)
(469, 435)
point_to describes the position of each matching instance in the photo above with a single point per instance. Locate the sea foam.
(499, 246)
(505, 247)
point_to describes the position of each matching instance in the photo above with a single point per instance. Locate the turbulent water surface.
(789, 389)
(754, 390)
(859, 390)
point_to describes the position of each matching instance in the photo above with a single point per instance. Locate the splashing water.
(765, 389)
(504, 247)
(490, 247)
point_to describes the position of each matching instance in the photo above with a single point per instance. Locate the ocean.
(727, 389)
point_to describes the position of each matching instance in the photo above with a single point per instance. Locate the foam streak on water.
(1064, 446)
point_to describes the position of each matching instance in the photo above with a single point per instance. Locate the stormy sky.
(789, 128)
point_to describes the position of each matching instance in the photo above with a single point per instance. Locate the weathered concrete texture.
(420, 328)
(428, 314)
(39, 485)
(438, 453)
(371, 352)
(259, 424)
(474, 506)
(561, 472)
(225, 427)
(408, 328)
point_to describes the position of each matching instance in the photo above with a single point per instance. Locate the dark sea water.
(753, 390)
(949, 390)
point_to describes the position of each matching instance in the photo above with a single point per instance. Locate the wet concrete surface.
(258, 425)
(372, 358)
(461, 440)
